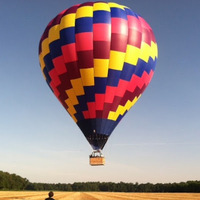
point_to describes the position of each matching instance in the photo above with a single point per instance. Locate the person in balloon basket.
(50, 196)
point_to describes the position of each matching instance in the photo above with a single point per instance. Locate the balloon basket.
(97, 158)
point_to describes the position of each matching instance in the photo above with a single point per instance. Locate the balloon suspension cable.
(97, 153)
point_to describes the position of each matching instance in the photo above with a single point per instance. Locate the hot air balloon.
(98, 58)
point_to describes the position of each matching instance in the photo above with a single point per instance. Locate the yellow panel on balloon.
(71, 110)
(74, 118)
(45, 47)
(154, 50)
(77, 86)
(85, 11)
(115, 5)
(116, 60)
(122, 109)
(145, 52)
(101, 67)
(87, 76)
(54, 33)
(101, 6)
(130, 104)
(68, 21)
(72, 96)
(42, 64)
(132, 55)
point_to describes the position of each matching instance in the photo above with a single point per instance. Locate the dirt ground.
(10, 195)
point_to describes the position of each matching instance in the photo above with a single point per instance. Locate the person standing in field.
(50, 196)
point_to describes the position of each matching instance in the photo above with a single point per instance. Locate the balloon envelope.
(98, 58)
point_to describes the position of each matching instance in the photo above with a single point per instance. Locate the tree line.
(16, 182)
(12, 181)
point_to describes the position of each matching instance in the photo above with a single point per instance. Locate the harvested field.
(9, 195)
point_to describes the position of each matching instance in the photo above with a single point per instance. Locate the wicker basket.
(95, 161)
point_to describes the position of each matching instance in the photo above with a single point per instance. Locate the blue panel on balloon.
(67, 35)
(101, 17)
(119, 13)
(114, 76)
(128, 71)
(84, 24)
(140, 68)
(151, 65)
(55, 48)
(89, 93)
(100, 85)
(48, 78)
(79, 116)
(130, 12)
(48, 62)
(82, 104)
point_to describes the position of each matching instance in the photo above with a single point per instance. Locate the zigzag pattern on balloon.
(98, 58)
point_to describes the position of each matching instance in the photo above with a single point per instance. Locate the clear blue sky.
(157, 141)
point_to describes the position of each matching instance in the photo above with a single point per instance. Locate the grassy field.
(8, 195)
